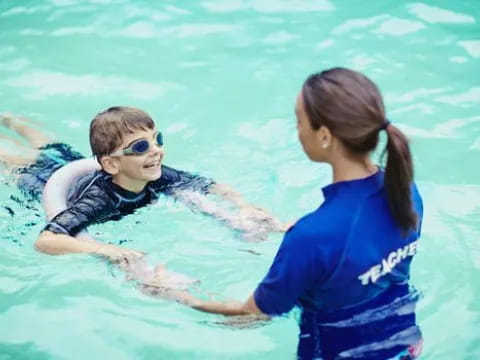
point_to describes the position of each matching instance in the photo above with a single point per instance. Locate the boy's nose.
(158, 149)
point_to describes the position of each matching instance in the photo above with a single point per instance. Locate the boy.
(130, 151)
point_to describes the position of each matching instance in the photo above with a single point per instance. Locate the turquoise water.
(220, 79)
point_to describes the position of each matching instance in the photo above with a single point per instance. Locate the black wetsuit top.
(94, 198)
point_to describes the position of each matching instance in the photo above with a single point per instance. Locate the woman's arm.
(227, 308)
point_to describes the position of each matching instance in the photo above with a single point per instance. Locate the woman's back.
(345, 253)
(365, 250)
(359, 298)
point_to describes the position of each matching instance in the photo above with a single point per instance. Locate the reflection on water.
(378, 329)
(221, 78)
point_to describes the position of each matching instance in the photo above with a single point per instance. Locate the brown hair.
(351, 107)
(108, 128)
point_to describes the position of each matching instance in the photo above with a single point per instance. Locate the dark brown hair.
(109, 127)
(351, 107)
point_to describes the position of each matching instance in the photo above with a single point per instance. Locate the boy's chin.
(156, 176)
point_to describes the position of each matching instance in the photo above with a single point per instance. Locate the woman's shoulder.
(416, 196)
(321, 224)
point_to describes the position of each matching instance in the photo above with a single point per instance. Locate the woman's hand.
(119, 255)
(166, 279)
(288, 225)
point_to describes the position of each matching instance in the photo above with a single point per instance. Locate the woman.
(346, 265)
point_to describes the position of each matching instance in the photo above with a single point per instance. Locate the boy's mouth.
(151, 165)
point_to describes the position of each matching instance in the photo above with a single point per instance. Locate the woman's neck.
(345, 168)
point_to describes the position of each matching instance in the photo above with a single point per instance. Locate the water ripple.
(44, 83)
(269, 6)
(433, 14)
(398, 27)
(472, 47)
(469, 97)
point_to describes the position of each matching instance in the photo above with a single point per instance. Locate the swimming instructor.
(348, 262)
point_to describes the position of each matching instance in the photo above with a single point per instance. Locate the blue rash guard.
(346, 265)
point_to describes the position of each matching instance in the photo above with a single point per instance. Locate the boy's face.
(133, 172)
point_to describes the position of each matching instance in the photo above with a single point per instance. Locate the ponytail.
(399, 178)
(350, 105)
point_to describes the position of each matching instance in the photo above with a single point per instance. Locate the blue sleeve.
(295, 269)
(92, 207)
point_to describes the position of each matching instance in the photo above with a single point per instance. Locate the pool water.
(220, 79)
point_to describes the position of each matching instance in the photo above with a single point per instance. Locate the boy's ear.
(110, 165)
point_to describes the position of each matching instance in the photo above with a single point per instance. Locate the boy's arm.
(227, 192)
(55, 192)
(253, 222)
(54, 197)
(192, 190)
(58, 244)
(65, 233)
(247, 212)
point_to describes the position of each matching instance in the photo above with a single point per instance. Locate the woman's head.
(341, 110)
(346, 105)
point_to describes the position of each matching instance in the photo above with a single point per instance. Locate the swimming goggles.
(139, 147)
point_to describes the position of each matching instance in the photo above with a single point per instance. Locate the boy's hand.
(260, 217)
(254, 212)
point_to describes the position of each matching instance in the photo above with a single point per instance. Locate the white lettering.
(392, 259)
(388, 263)
(386, 267)
(376, 272)
(365, 277)
(402, 253)
(412, 248)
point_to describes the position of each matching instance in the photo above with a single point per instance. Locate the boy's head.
(113, 132)
(110, 127)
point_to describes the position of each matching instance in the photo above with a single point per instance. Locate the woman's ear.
(110, 165)
(324, 137)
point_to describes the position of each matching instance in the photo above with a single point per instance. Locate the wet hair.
(108, 128)
(351, 107)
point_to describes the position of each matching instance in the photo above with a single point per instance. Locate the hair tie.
(385, 125)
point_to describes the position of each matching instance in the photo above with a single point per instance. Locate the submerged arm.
(254, 223)
(228, 193)
(227, 308)
(247, 212)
